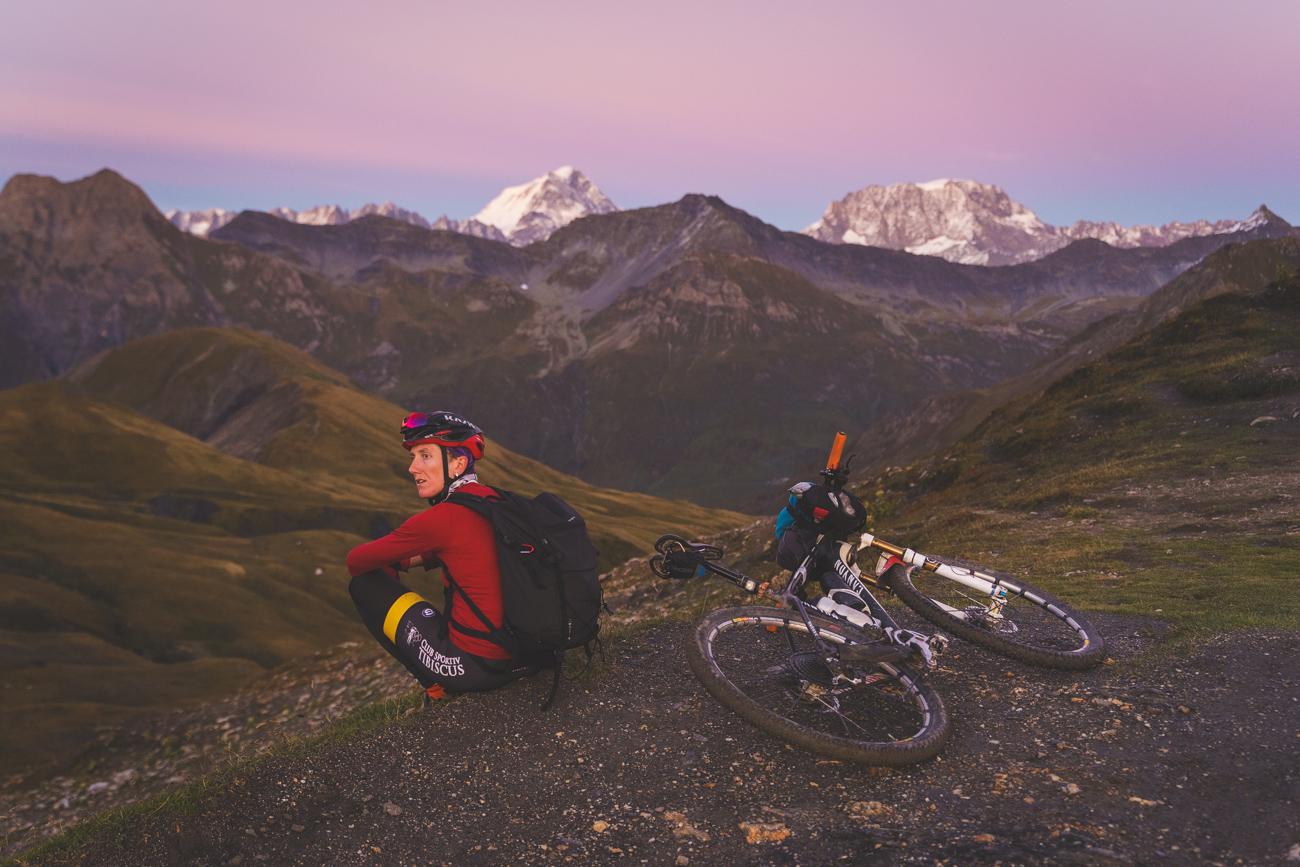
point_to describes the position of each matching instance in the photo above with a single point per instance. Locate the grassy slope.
(939, 421)
(1148, 481)
(109, 603)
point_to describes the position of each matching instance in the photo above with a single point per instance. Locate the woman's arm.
(405, 546)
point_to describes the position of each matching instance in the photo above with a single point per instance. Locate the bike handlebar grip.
(837, 449)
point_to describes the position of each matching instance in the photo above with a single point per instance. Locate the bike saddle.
(675, 567)
(671, 544)
(875, 651)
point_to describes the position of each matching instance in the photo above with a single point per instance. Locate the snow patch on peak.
(931, 186)
(392, 212)
(324, 215)
(201, 223)
(952, 249)
(1260, 217)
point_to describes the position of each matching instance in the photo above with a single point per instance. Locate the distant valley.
(643, 350)
(174, 514)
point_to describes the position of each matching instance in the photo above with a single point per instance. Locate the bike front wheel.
(1011, 617)
(762, 664)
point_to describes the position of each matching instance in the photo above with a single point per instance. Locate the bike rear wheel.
(1024, 623)
(761, 663)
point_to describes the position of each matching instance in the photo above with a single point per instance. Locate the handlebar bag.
(819, 508)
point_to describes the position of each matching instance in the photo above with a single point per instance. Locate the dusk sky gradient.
(1126, 111)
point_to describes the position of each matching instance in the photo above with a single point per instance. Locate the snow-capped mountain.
(519, 215)
(206, 222)
(201, 222)
(321, 215)
(392, 212)
(533, 211)
(975, 224)
(469, 227)
(1156, 236)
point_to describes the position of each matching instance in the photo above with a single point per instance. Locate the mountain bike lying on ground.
(840, 679)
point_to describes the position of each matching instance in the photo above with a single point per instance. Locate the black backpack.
(550, 586)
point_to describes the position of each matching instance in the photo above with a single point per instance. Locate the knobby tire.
(1036, 627)
(760, 663)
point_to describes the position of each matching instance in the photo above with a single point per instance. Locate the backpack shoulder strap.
(498, 635)
(482, 505)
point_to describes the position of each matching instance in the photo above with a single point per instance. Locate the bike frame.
(927, 646)
(875, 616)
(995, 588)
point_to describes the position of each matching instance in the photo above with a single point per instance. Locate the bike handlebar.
(835, 475)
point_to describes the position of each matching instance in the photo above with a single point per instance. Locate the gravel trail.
(1155, 758)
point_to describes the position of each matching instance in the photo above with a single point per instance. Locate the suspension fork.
(995, 587)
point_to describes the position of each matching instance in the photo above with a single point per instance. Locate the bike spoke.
(1013, 620)
(762, 664)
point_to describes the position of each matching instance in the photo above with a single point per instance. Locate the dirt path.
(1154, 759)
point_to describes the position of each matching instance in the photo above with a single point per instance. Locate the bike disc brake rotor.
(980, 617)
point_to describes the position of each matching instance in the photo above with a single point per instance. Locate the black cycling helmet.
(448, 431)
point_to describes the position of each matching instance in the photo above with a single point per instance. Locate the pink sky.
(1137, 112)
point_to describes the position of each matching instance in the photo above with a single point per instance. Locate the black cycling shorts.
(417, 635)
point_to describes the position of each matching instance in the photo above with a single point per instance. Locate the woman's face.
(426, 467)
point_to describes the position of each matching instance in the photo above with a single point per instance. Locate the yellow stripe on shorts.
(400, 607)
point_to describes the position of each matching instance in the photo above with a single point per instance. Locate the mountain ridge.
(978, 224)
(518, 215)
(434, 318)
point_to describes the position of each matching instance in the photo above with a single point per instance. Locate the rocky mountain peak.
(959, 220)
(321, 215)
(468, 227)
(1261, 217)
(104, 198)
(533, 211)
(203, 222)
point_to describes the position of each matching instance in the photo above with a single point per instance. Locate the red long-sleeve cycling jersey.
(463, 542)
